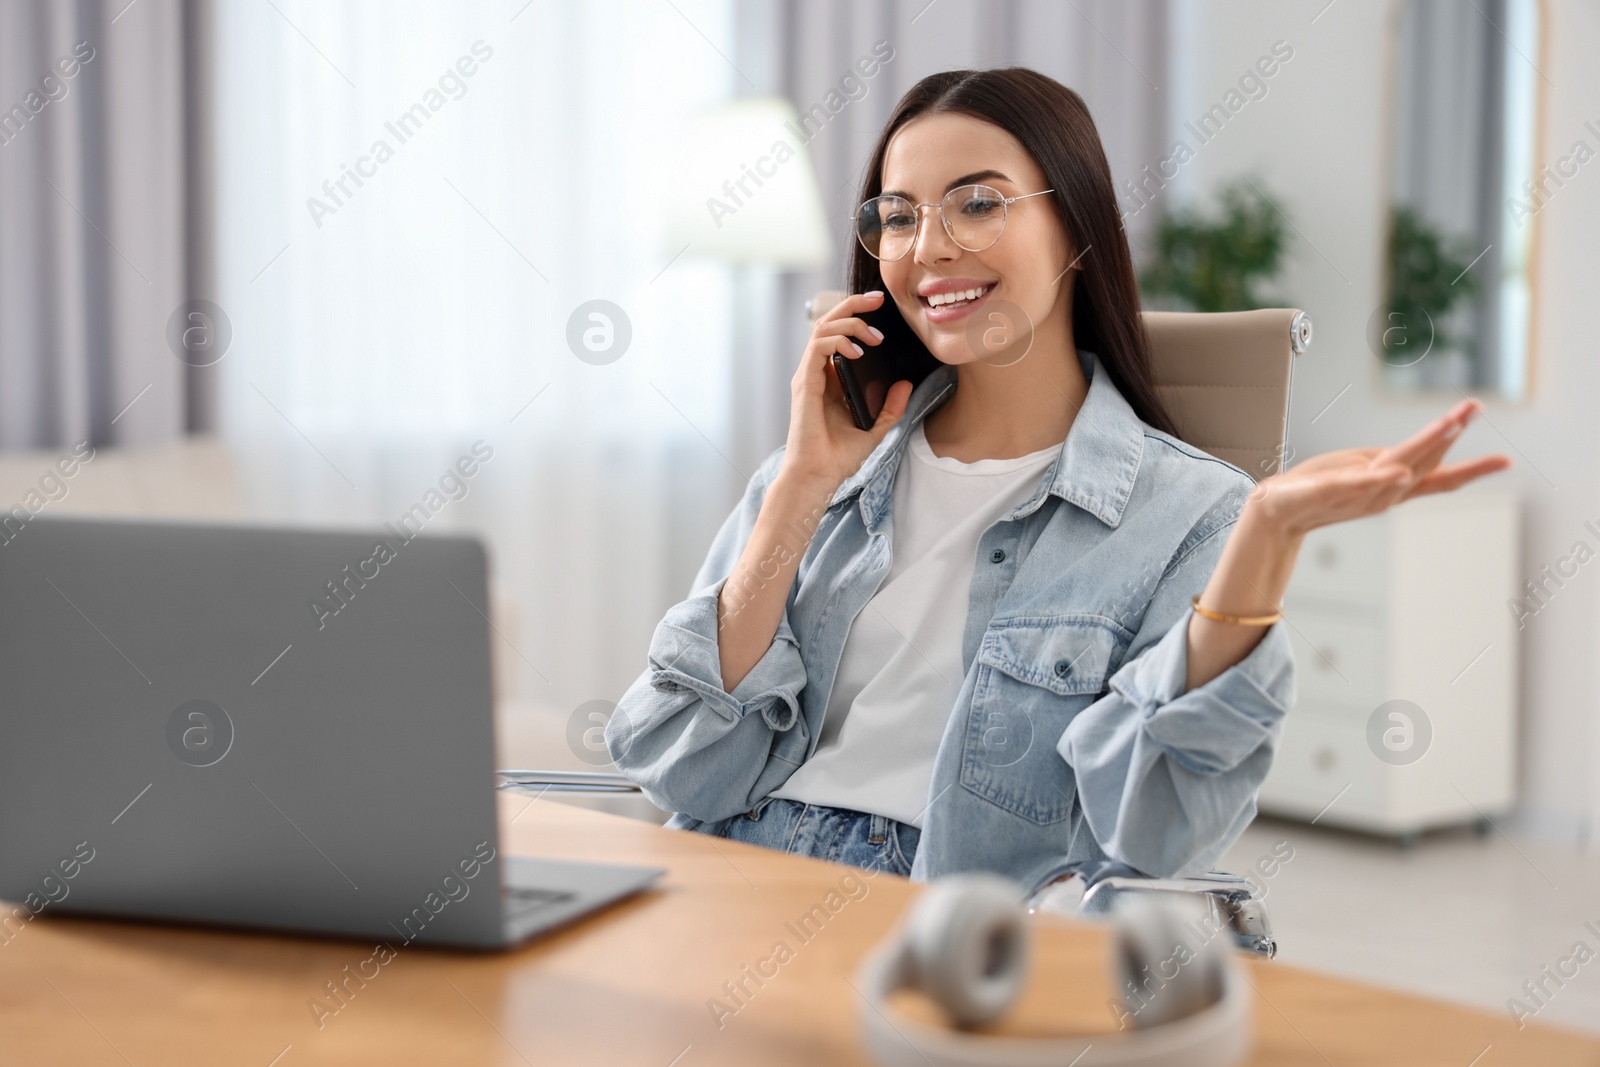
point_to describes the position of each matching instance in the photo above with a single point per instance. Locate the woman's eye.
(980, 207)
(899, 222)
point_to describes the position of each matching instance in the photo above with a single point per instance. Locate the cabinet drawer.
(1345, 564)
(1337, 659)
(1317, 758)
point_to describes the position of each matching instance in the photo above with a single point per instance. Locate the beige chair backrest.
(1225, 377)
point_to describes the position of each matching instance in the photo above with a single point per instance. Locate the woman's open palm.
(1355, 482)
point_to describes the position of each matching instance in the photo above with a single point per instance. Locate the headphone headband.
(963, 944)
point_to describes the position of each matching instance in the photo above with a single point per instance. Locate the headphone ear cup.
(1168, 962)
(967, 946)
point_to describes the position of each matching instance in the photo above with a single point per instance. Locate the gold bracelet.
(1242, 620)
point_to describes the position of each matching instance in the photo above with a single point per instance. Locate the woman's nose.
(932, 243)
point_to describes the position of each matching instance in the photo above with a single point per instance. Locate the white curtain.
(380, 328)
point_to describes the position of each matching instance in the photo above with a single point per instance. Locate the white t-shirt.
(901, 667)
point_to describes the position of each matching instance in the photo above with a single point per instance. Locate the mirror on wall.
(1465, 195)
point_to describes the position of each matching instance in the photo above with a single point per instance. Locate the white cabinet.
(1406, 663)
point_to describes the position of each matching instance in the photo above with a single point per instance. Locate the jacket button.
(997, 556)
(1063, 668)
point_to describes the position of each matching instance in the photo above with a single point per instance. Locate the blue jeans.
(838, 834)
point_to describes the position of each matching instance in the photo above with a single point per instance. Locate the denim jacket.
(1072, 737)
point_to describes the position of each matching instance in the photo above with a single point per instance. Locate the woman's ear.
(1075, 263)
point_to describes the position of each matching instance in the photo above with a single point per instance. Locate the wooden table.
(633, 985)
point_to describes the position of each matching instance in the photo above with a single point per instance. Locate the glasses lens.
(974, 215)
(887, 226)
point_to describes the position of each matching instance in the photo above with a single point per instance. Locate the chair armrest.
(1096, 888)
(538, 782)
(822, 302)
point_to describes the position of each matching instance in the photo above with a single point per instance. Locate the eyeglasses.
(973, 215)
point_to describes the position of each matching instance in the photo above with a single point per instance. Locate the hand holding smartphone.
(901, 356)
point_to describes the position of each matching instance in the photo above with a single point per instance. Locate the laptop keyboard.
(521, 901)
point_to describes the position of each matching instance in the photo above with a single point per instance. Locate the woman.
(969, 637)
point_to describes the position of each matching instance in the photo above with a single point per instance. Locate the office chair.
(1225, 379)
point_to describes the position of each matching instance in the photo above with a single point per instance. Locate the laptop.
(272, 728)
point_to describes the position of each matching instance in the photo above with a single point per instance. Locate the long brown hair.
(1053, 125)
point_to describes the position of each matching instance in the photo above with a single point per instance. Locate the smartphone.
(900, 356)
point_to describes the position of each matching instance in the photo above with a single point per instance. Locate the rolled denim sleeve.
(692, 746)
(1167, 777)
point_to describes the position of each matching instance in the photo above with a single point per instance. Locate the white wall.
(1319, 140)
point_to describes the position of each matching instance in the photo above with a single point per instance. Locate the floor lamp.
(744, 192)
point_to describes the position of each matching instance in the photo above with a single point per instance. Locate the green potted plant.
(1220, 261)
(1427, 274)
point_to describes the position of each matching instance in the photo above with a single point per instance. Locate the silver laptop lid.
(276, 728)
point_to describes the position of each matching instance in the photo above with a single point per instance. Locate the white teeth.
(941, 299)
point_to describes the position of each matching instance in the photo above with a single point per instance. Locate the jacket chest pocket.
(1033, 676)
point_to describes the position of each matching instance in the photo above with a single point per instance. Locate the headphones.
(964, 945)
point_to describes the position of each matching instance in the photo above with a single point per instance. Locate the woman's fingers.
(894, 406)
(815, 372)
(847, 347)
(1430, 456)
(1355, 483)
(849, 327)
(852, 305)
(1426, 449)
(1360, 489)
(1434, 439)
(1447, 479)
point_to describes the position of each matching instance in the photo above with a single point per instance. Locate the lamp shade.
(743, 190)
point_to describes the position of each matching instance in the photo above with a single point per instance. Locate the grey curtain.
(1114, 53)
(104, 219)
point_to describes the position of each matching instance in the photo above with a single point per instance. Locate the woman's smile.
(947, 300)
